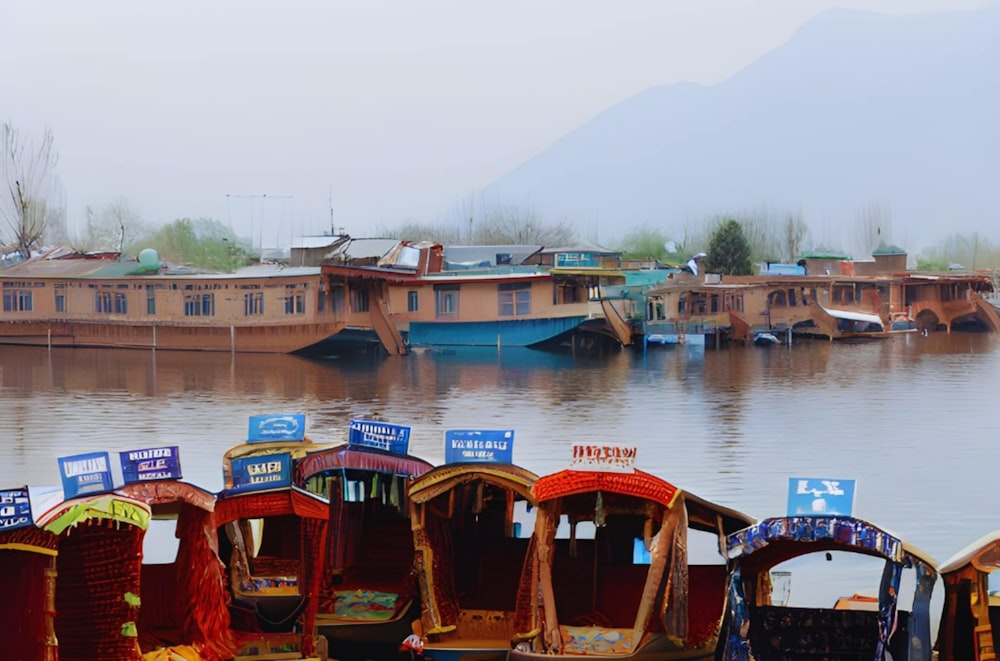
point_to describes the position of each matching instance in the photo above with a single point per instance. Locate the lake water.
(913, 419)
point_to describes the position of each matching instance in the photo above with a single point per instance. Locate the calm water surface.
(913, 419)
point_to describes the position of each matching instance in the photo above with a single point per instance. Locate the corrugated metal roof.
(319, 241)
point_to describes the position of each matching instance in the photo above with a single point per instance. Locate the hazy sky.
(398, 111)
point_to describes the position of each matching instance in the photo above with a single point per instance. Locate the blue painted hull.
(507, 333)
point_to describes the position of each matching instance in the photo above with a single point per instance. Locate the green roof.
(888, 250)
(824, 255)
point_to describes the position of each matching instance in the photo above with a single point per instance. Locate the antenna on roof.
(332, 228)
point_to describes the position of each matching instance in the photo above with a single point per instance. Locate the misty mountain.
(856, 109)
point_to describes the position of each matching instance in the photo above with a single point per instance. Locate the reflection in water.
(911, 418)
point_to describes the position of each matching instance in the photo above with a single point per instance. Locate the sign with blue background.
(277, 427)
(820, 496)
(493, 445)
(270, 471)
(15, 509)
(151, 464)
(379, 435)
(85, 473)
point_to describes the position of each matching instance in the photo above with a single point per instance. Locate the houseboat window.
(60, 298)
(321, 301)
(295, 303)
(515, 299)
(566, 292)
(778, 298)
(682, 304)
(791, 298)
(253, 303)
(412, 301)
(150, 299)
(359, 300)
(738, 303)
(102, 303)
(446, 301)
(714, 303)
(199, 305)
(17, 300)
(120, 303)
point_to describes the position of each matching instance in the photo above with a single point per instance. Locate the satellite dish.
(670, 246)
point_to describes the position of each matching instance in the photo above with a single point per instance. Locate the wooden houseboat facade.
(834, 307)
(80, 302)
(409, 299)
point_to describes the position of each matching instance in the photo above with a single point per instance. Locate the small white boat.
(765, 338)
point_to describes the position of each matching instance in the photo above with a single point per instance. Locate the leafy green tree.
(728, 250)
(202, 243)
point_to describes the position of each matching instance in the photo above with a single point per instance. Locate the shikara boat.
(184, 601)
(99, 565)
(629, 592)
(272, 538)
(468, 557)
(758, 629)
(971, 613)
(28, 572)
(368, 594)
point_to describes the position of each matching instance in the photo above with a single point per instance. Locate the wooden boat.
(970, 618)
(598, 598)
(368, 595)
(98, 583)
(468, 555)
(272, 538)
(184, 600)
(28, 572)
(757, 629)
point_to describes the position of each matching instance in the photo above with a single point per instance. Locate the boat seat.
(270, 615)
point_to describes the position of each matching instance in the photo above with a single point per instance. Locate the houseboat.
(28, 570)
(816, 532)
(714, 309)
(66, 299)
(970, 619)
(610, 576)
(414, 296)
(185, 603)
(368, 597)
(470, 521)
(272, 539)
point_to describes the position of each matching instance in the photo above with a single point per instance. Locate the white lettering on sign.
(154, 453)
(84, 466)
(599, 457)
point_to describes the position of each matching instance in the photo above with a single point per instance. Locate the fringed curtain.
(201, 576)
(313, 546)
(22, 611)
(99, 564)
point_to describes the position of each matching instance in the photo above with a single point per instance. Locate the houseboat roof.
(447, 477)
(983, 554)
(488, 255)
(79, 267)
(319, 241)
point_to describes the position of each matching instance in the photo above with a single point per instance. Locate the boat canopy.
(638, 484)
(983, 554)
(445, 478)
(772, 541)
(169, 491)
(359, 458)
(276, 502)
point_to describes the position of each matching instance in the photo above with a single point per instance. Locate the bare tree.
(873, 227)
(115, 226)
(512, 226)
(27, 175)
(796, 231)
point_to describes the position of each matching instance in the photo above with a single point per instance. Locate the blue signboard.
(151, 464)
(270, 471)
(495, 445)
(277, 427)
(380, 435)
(15, 509)
(85, 473)
(820, 496)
